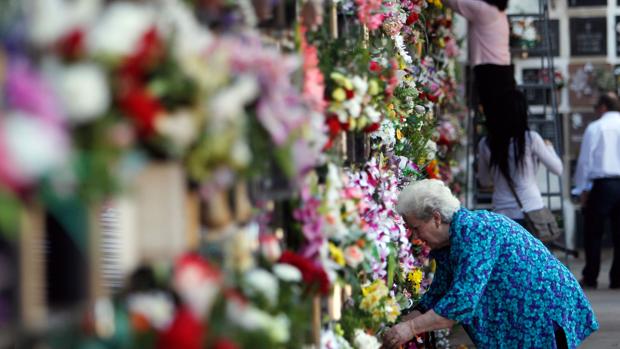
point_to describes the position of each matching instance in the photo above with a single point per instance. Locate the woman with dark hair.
(489, 47)
(510, 154)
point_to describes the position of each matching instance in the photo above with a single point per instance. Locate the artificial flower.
(197, 282)
(336, 254)
(120, 28)
(83, 89)
(262, 282)
(270, 247)
(362, 340)
(313, 275)
(287, 272)
(353, 256)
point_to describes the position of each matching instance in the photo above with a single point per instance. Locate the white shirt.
(599, 156)
(488, 32)
(524, 179)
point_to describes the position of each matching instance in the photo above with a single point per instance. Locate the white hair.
(422, 198)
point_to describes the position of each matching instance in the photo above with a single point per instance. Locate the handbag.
(541, 222)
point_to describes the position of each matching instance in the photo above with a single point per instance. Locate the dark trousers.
(492, 82)
(603, 203)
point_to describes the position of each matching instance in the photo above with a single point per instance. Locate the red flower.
(225, 343)
(334, 125)
(350, 93)
(374, 66)
(312, 274)
(185, 332)
(372, 127)
(142, 107)
(413, 17)
(150, 50)
(71, 45)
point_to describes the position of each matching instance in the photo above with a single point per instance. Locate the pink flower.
(368, 12)
(27, 91)
(353, 255)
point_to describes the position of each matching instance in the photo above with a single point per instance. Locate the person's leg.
(614, 273)
(594, 223)
(560, 339)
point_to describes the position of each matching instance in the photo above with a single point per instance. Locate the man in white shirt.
(597, 181)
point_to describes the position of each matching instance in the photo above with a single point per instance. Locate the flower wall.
(349, 109)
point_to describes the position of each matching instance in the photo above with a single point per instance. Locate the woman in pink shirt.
(489, 50)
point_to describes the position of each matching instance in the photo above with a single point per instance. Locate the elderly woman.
(493, 277)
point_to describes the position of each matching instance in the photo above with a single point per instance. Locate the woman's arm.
(407, 330)
(546, 154)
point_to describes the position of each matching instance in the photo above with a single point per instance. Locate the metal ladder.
(544, 118)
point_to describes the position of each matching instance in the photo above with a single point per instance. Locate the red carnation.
(374, 66)
(142, 107)
(225, 343)
(71, 45)
(372, 127)
(150, 50)
(184, 332)
(312, 274)
(413, 17)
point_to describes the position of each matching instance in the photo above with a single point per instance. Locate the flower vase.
(243, 206)
(32, 286)
(217, 214)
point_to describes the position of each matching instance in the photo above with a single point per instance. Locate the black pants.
(560, 339)
(603, 203)
(492, 81)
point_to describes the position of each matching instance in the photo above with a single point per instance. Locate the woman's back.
(523, 178)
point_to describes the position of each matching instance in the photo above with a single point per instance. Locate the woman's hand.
(414, 314)
(398, 335)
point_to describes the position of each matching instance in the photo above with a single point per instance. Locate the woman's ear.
(437, 218)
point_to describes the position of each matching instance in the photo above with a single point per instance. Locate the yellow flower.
(399, 134)
(392, 310)
(436, 3)
(339, 95)
(336, 254)
(415, 276)
(373, 87)
(378, 287)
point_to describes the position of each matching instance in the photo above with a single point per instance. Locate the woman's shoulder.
(534, 136)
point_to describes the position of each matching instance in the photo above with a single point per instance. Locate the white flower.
(353, 255)
(362, 340)
(190, 37)
(179, 127)
(83, 90)
(34, 146)
(287, 272)
(47, 20)
(279, 328)
(157, 307)
(120, 28)
(330, 340)
(431, 149)
(402, 50)
(240, 153)
(229, 103)
(373, 114)
(50, 20)
(262, 282)
(251, 318)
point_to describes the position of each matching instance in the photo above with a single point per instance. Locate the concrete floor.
(606, 304)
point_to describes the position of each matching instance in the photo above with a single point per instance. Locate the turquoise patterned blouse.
(504, 286)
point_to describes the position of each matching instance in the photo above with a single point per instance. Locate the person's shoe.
(587, 285)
